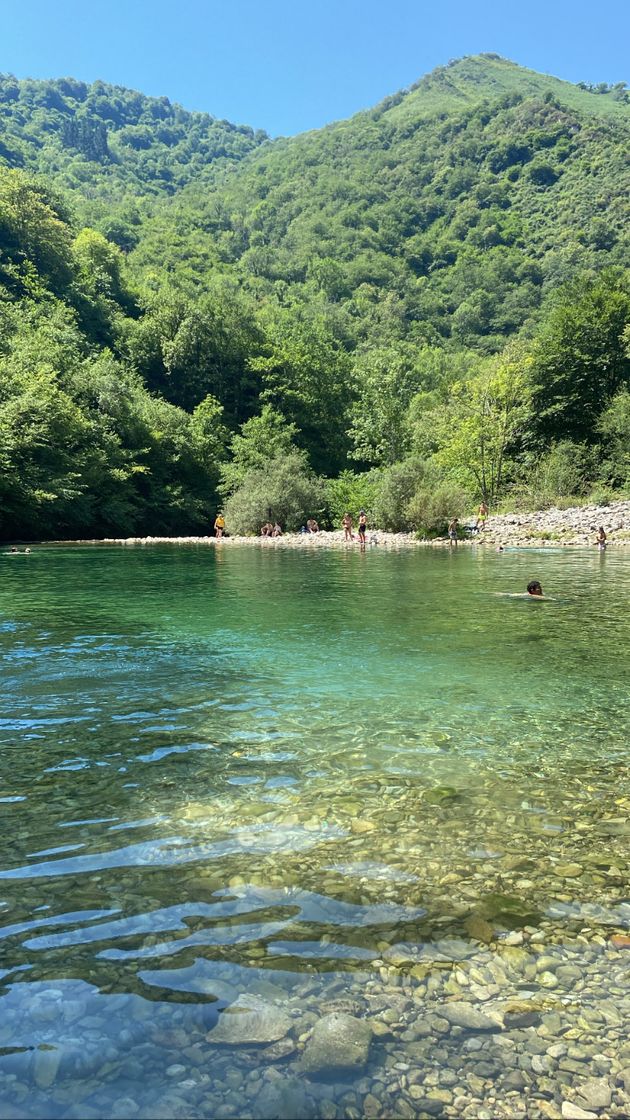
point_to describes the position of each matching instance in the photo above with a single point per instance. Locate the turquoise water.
(303, 780)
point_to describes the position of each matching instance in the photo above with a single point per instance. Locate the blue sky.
(290, 65)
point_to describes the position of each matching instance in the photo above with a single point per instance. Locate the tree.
(263, 438)
(306, 376)
(614, 428)
(386, 379)
(580, 360)
(35, 238)
(285, 489)
(484, 419)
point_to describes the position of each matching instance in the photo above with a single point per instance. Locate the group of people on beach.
(478, 527)
(269, 529)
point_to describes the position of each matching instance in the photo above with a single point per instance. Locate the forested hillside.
(409, 310)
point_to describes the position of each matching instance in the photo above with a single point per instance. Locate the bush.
(432, 507)
(564, 471)
(284, 490)
(351, 493)
(398, 484)
(603, 496)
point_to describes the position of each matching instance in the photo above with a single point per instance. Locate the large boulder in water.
(338, 1042)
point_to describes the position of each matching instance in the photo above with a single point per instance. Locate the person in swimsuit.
(534, 589)
(276, 531)
(452, 531)
(601, 539)
(346, 521)
(481, 517)
(312, 525)
(362, 527)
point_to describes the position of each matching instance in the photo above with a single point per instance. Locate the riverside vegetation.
(408, 311)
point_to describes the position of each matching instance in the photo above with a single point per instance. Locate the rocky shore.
(553, 527)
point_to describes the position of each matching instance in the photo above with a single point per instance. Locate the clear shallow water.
(304, 781)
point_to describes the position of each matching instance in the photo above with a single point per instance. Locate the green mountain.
(332, 292)
(464, 197)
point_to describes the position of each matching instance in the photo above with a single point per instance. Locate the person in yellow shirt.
(219, 526)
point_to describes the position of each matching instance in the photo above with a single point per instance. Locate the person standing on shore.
(601, 539)
(219, 526)
(482, 516)
(362, 527)
(346, 521)
(452, 531)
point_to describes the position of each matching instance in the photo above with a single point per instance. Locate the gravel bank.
(576, 526)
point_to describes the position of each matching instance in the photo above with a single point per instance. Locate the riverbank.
(575, 527)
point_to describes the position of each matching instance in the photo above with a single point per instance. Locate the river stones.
(508, 909)
(338, 1042)
(568, 870)
(45, 1067)
(572, 1111)
(283, 1100)
(250, 1021)
(479, 928)
(521, 1013)
(594, 1094)
(466, 1015)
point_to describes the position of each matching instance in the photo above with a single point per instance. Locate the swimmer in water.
(534, 589)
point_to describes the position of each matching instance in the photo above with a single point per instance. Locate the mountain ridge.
(176, 291)
(101, 120)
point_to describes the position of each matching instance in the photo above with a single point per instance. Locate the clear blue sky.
(290, 65)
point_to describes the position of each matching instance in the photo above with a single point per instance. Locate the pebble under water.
(336, 834)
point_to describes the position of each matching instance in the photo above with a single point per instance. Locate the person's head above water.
(534, 588)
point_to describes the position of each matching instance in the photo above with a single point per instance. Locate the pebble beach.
(575, 527)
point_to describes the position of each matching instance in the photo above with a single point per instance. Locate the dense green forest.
(409, 310)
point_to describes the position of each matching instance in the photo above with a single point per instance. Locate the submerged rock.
(283, 1100)
(338, 1042)
(595, 1094)
(250, 1021)
(45, 1067)
(479, 928)
(466, 1015)
(509, 909)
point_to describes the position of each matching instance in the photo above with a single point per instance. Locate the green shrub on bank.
(350, 493)
(398, 484)
(284, 490)
(432, 507)
(566, 471)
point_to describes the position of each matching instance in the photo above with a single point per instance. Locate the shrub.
(398, 484)
(432, 507)
(602, 496)
(351, 493)
(562, 475)
(284, 490)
